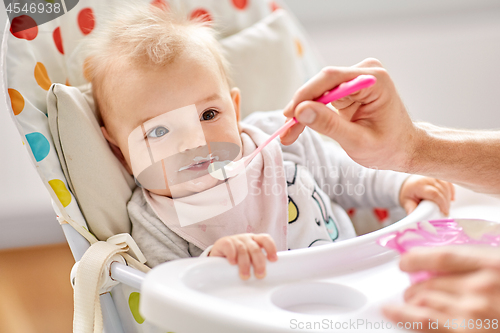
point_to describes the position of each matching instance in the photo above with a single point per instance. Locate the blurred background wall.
(443, 55)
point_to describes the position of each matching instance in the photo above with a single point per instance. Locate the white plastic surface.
(335, 284)
(473, 205)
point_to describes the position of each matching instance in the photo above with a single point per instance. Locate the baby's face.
(184, 114)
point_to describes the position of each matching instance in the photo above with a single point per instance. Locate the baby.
(168, 111)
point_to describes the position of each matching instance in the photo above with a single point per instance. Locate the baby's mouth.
(199, 163)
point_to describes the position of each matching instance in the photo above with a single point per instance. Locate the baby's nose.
(190, 142)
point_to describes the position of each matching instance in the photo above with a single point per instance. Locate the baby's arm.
(346, 182)
(385, 188)
(363, 187)
(246, 250)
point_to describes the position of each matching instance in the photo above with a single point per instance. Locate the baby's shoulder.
(267, 121)
(137, 201)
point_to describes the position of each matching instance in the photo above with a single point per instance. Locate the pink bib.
(253, 202)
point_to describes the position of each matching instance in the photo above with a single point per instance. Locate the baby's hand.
(418, 188)
(246, 250)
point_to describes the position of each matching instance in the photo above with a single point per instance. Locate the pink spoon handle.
(347, 88)
(282, 129)
(343, 90)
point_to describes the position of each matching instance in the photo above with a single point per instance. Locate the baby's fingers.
(410, 205)
(243, 260)
(267, 243)
(225, 248)
(448, 188)
(258, 259)
(437, 195)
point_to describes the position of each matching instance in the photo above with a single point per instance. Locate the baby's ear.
(115, 149)
(236, 97)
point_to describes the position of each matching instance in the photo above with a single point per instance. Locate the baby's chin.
(188, 188)
(194, 186)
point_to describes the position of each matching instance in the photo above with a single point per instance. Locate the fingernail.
(244, 276)
(307, 116)
(260, 275)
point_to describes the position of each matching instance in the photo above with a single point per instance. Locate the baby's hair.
(146, 36)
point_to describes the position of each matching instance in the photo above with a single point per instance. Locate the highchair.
(52, 107)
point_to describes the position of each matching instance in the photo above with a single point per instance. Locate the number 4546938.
(472, 324)
(33, 8)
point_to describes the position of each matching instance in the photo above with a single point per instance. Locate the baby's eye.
(158, 132)
(209, 115)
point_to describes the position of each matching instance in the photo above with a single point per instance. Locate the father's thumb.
(322, 119)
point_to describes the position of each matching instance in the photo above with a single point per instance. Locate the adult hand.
(465, 292)
(372, 125)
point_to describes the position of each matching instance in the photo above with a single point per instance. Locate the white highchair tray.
(337, 287)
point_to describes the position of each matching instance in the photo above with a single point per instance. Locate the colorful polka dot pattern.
(162, 4)
(274, 6)
(240, 4)
(61, 191)
(16, 100)
(299, 48)
(24, 27)
(202, 14)
(56, 35)
(41, 76)
(133, 304)
(86, 20)
(86, 71)
(39, 144)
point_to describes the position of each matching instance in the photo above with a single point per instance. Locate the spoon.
(223, 170)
